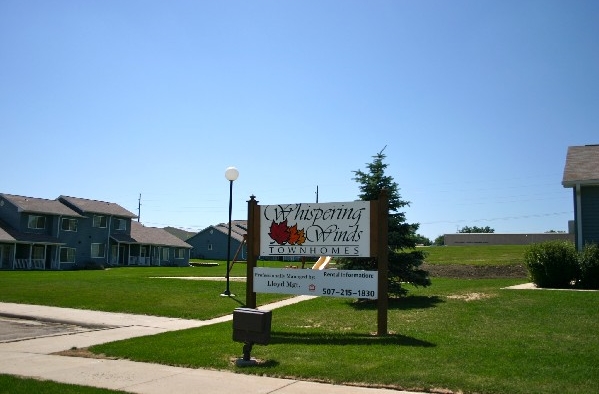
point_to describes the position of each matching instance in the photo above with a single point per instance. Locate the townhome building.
(72, 232)
(211, 242)
(581, 174)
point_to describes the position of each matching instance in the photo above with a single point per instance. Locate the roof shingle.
(94, 206)
(39, 205)
(155, 236)
(582, 166)
(238, 229)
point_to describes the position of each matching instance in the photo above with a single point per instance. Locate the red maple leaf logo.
(293, 235)
(279, 232)
(296, 237)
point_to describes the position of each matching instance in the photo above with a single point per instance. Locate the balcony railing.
(138, 260)
(30, 264)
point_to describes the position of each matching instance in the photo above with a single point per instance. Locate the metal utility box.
(251, 326)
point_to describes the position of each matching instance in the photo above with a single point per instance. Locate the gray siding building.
(154, 246)
(581, 173)
(211, 242)
(102, 223)
(30, 231)
(72, 232)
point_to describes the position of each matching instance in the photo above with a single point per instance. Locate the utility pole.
(139, 207)
(316, 194)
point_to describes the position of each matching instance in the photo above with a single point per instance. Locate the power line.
(501, 218)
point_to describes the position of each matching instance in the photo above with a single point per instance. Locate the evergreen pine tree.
(404, 259)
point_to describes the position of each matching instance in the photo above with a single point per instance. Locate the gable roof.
(238, 230)
(180, 233)
(155, 236)
(5, 235)
(10, 235)
(582, 166)
(94, 206)
(39, 205)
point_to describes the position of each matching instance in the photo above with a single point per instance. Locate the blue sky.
(475, 101)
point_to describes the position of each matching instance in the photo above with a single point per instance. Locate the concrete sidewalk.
(34, 358)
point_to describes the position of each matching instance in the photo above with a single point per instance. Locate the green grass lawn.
(17, 385)
(462, 335)
(493, 255)
(137, 290)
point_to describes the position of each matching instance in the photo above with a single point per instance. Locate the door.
(114, 254)
(142, 255)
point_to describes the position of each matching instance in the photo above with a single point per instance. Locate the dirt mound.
(475, 272)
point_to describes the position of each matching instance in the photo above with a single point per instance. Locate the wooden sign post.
(378, 246)
(381, 246)
(253, 242)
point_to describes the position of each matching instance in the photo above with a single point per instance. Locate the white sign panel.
(329, 229)
(332, 283)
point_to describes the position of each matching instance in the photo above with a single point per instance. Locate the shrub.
(589, 267)
(89, 265)
(552, 264)
(404, 267)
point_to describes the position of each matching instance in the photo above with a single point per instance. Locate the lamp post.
(231, 174)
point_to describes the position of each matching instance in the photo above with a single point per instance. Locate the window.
(120, 224)
(98, 250)
(67, 255)
(99, 221)
(209, 246)
(36, 222)
(180, 253)
(69, 224)
(164, 253)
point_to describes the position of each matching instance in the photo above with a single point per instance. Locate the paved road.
(15, 329)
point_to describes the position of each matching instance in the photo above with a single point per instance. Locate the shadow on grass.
(404, 303)
(238, 300)
(281, 337)
(260, 364)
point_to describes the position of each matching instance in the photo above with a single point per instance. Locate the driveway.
(17, 329)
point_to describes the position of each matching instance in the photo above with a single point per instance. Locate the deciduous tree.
(475, 229)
